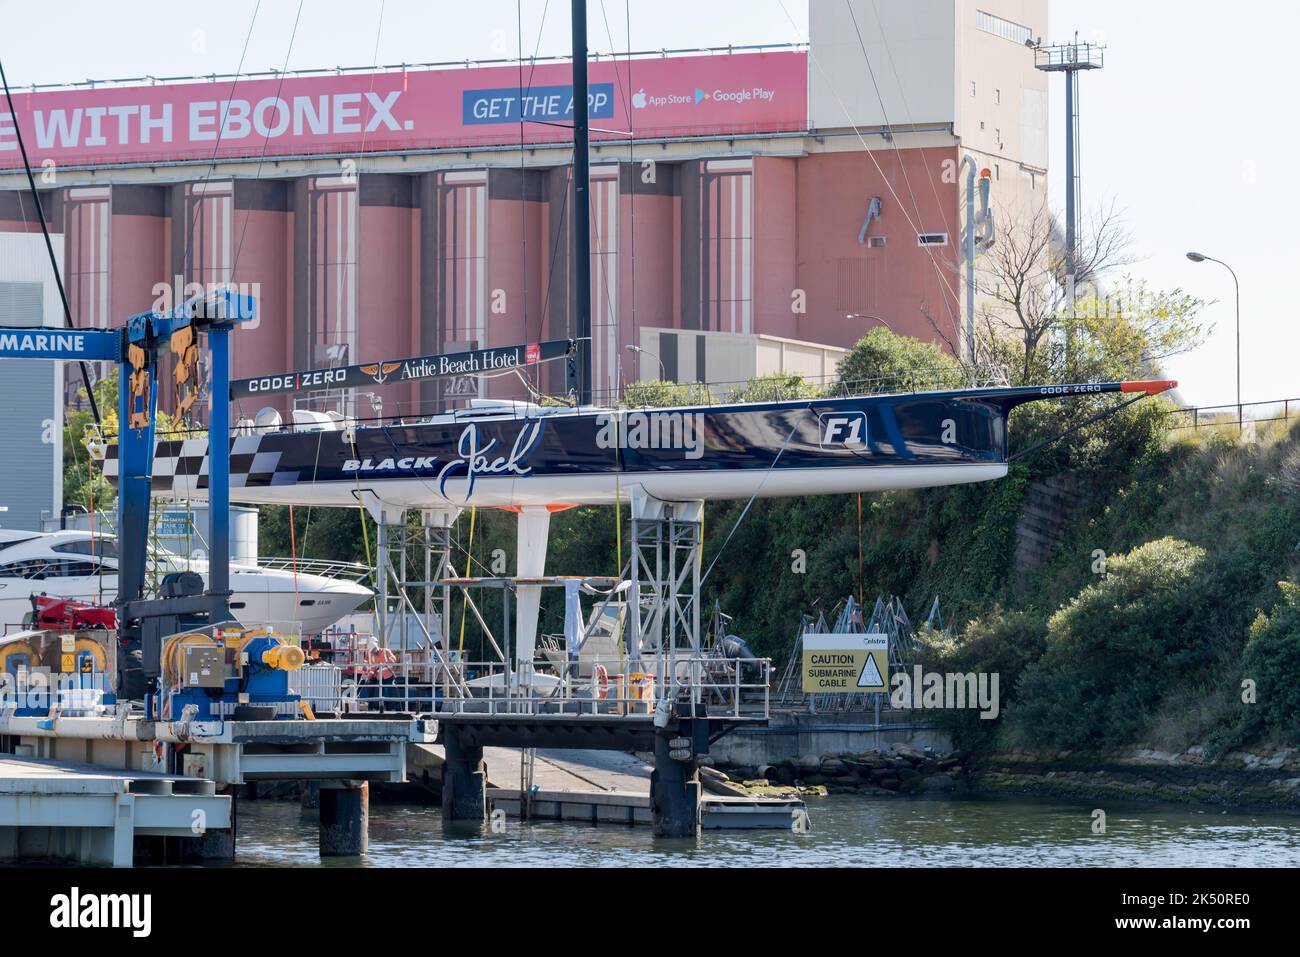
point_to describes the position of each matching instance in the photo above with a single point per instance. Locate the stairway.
(1050, 506)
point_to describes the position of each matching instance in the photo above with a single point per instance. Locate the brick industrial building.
(393, 213)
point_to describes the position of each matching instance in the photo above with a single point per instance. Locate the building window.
(997, 97)
(876, 242)
(932, 239)
(1006, 29)
(972, 88)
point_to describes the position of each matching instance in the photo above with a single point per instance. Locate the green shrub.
(775, 387)
(1000, 642)
(657, 392)
(1115, 650)
(1272, 661)
(884, 362)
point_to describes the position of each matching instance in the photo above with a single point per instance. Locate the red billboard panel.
(413, 110)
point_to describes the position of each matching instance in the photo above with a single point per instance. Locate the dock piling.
(344, 818)
(674, 792)
(219, 845)
(464, 781)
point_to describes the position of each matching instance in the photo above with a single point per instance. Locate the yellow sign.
(845, 664)
(67, 664)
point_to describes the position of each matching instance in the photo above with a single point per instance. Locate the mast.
(581, 204)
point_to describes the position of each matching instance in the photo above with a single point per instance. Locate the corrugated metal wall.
(31, 466)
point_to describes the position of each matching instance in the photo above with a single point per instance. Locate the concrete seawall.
(796, 734)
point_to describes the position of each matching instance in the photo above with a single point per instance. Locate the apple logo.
(638, 99)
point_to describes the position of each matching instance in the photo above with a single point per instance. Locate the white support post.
(533, 533)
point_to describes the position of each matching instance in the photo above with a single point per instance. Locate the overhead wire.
(49, 244)
(193, 211)
(876, 163)
(266, 140)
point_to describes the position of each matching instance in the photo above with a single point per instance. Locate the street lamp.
(863, 315)
(662, 368)
(1200, 258)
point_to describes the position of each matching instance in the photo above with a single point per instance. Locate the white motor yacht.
(82, 566)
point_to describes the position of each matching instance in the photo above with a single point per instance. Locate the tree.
(882, 361)
(1129, 331)
(1025, 274)
(83, 477)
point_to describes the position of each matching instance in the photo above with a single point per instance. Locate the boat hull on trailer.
(516, 454)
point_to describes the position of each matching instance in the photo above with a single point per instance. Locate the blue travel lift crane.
(144, 623)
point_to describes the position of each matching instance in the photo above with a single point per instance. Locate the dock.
(608, 787)
(92, 815)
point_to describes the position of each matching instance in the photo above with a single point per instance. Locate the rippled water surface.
(846, 831)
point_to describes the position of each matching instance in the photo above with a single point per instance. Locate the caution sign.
(845, 664)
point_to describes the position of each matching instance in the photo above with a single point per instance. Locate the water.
(847, 831)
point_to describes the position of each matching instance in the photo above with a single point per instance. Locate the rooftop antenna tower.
(1070, 59)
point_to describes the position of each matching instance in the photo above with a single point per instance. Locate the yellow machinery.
(228, 671)
(82, 665)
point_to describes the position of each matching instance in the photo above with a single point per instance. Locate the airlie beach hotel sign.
(474, 362)
(405, 110)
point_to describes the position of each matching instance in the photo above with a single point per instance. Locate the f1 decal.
(844, 431)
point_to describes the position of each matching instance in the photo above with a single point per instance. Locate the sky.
(1184, 130)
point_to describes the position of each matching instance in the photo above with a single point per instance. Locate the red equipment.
(71, 615)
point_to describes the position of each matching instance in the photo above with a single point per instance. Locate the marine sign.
(845, 664)
(43, 342)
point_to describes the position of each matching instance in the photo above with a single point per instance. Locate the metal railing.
(322, 567)
(320, 684)
(273, 73)
(378, 679)
(1214, 416)
(660, 393)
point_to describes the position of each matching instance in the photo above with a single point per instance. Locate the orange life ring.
(600, 678)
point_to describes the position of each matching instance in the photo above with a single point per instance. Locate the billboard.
(407, 110)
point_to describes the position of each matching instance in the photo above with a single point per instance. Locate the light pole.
(1200, 258)
(863, 315)
(662, 368)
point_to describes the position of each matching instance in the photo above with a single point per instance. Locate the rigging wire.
(266, 141)
(745, 511)
(907, 111)
(193, 211)
(880, 99)
(870, 155)
(527, 90)
(49, 244)
(893, 141)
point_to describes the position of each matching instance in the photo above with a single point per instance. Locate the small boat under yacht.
(83, 566)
